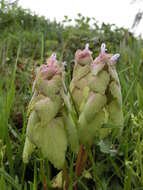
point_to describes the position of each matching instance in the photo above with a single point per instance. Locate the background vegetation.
(26, 40)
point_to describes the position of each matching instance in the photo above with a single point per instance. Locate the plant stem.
(66, 177)
(45, 187)
(81, 160)
(45, 183)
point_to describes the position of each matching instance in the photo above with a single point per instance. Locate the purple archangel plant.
(96, 95)
(45, 128)
(96, 91)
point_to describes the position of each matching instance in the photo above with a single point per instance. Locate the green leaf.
(98, 83)
(80, 71)
(90, 129)
(47, 109)
(9, 179)
(140, 96)
(93, 105)
(51, 139)
(98, 68)
(49, 87)
(113, 73)
(104, 146)
(28, 149)
(116, 92)
(84, 98)
(72, 133)
(115, 113)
